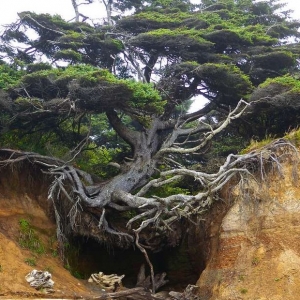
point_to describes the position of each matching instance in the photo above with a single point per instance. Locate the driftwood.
(139, 293)
(145, 282)
(190, 293)
(143, 290)
(107, 282)
(40, 280)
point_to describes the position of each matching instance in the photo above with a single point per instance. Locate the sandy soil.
(14, 260)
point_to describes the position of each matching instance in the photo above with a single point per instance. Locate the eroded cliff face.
(248, 247)
(24, 197)
(255, 246)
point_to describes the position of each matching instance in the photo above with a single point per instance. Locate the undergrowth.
(31, 261)
(254, 145)
(29, 239)
(292, 136)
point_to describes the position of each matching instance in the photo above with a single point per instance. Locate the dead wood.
(146, 282)
(108, 282)
(139, 291)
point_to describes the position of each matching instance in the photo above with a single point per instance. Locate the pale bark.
(77, 14)
(108, 8)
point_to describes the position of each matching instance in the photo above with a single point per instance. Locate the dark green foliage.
(99, 88)
(72, 42)
(9, 75)
(173, 42)
(226, 80)
(276, 61)
(29, 239)
(277, 110)
(177, 187)
(221, 50)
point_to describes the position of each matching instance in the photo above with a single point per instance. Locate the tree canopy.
(112, 99)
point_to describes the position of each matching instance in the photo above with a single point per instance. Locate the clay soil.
(14, 260)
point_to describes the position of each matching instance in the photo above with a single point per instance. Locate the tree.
(76, 5)
(137, 71)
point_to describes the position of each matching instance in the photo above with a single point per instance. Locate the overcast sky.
(10, 8)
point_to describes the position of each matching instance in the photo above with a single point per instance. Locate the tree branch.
(166, 148)
(123, 131)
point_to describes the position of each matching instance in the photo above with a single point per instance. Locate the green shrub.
(30, 261)
(28, 238)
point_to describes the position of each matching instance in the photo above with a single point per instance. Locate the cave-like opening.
(182, 264)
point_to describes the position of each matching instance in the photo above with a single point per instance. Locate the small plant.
(28, 238)
(67, 266)
(277, 279)
(241, 277)
(244, 291)
(49, 269)
(77, 274)
(30, 261)
(53, 246)
(1, 268)
(54, 253)
(255, 261)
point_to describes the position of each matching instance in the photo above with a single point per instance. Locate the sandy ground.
(14, 259)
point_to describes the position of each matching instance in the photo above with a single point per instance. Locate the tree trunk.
(108, 8)
(75, 6)
(135, 174)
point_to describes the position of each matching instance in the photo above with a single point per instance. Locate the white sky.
(10, 8)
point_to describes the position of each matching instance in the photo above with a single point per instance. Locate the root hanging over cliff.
(154, 218)
(71, 187)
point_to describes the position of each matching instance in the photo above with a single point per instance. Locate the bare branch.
(236, 113)
(40, 25)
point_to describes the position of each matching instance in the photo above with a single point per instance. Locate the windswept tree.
(124, 85)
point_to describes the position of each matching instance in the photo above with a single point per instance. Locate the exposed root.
(151, 212)
(71, 200)
(147, 259)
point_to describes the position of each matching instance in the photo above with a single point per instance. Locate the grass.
(49, 269)
(54, 253)
(67, 266)
(244, 291)
(293, 136)
(29, 239)
(254, 145)
(53, 246)
(30, 261)
(241, 277)
(255, 261)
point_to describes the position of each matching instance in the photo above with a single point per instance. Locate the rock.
(257, 253)
(40, 280)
